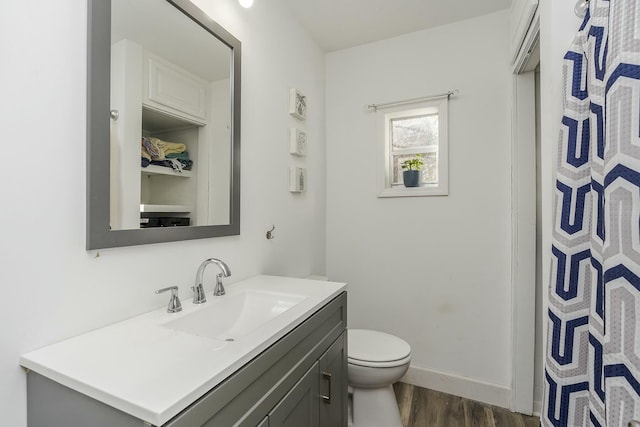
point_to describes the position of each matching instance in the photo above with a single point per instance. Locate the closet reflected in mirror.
(172, 161)
(171, 142)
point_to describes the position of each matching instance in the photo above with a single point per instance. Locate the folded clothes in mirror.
(177, 164)
(182, 156)
(158, 149)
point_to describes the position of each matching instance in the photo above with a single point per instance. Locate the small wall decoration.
(298, 142)
(298, 179)
(297, 104)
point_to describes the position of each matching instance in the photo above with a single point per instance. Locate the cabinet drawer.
(173, 90)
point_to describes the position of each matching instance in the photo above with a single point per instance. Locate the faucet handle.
(174, 302)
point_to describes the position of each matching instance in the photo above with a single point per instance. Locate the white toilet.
(375, 361)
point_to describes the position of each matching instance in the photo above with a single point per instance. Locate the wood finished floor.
(420, 407)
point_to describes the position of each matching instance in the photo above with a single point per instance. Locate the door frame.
(523, 222)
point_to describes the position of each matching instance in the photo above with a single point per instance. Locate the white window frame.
(384, 116)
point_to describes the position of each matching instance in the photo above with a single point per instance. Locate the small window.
(409, 132)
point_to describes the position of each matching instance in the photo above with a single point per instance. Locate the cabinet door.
(300, 406)
(172, 89)
(333, 384)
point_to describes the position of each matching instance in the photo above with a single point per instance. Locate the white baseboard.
(537, 408)
(468, 388)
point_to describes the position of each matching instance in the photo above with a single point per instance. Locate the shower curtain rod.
(449, 94)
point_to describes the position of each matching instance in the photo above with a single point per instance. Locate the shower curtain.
(592, 367)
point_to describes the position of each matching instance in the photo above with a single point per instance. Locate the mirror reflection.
(171, 127)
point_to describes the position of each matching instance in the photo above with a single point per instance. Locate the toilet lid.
(374, 346)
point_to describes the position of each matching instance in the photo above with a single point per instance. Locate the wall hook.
(270, 235)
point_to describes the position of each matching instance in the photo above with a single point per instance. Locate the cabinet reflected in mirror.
(170, 170)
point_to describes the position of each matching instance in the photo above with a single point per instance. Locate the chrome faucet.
(198, 289)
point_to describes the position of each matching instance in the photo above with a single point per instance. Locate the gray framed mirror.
(163, 124)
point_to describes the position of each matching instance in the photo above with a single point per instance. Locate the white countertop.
(152, 372)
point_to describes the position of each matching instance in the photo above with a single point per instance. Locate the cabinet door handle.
(327, 399)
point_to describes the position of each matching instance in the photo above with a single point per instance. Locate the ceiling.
(207, 57)
(340, 24)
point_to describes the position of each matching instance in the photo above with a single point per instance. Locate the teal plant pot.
(411, 178)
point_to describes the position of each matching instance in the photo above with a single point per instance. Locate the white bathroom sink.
(233, 316)
(124, 365)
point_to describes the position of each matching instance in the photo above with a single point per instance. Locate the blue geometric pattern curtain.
(592, 367)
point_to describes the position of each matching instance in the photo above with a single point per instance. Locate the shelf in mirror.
(163, 170)
(165, 208)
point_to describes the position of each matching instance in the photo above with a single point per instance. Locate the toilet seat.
(376, 349)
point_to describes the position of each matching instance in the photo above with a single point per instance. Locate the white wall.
(51, 287)
(432, 270)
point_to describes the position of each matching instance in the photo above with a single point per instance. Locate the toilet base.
(374, 407)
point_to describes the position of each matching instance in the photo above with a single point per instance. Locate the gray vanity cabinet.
(298, 381)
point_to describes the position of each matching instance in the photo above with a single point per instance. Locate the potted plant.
(412, 175)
